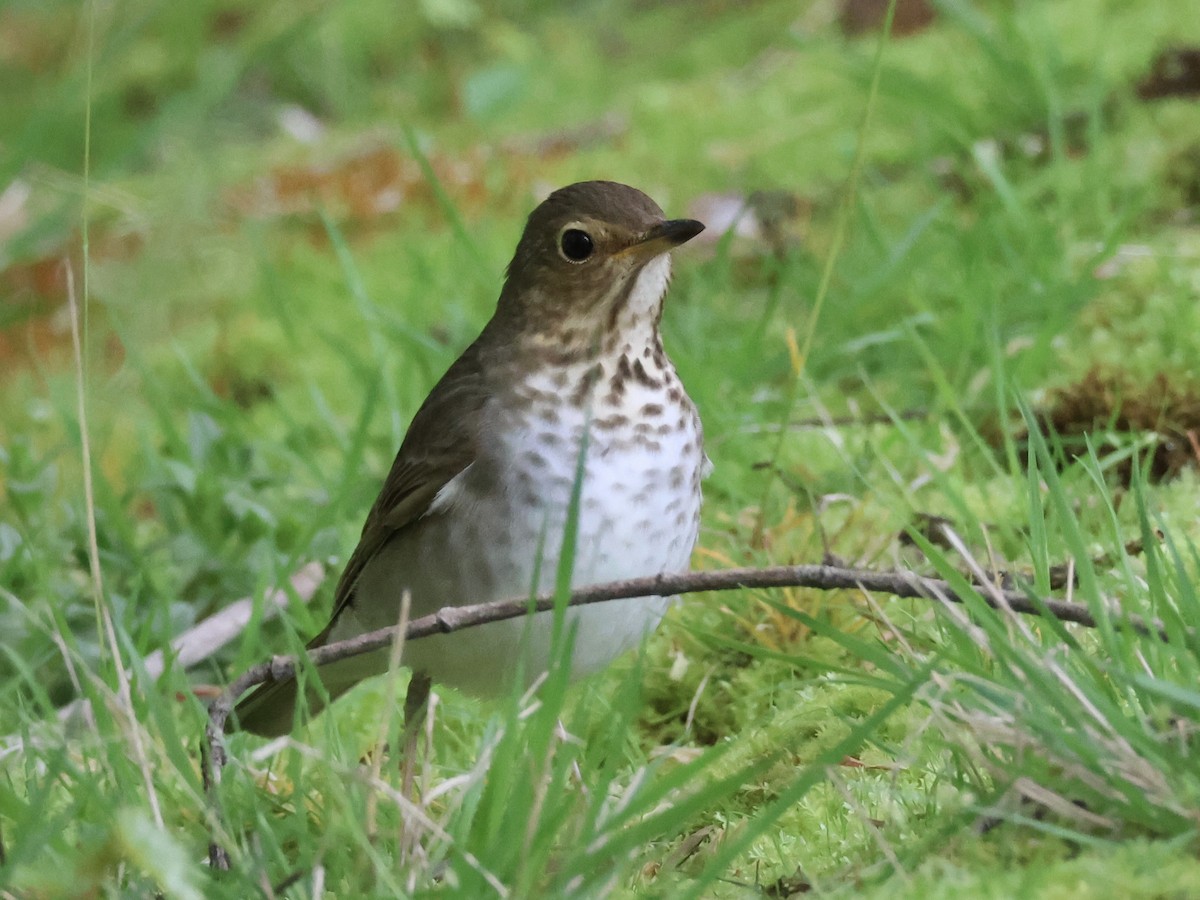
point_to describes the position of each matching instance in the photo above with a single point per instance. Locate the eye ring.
(576, 245)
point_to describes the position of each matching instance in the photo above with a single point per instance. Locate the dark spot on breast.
(617, 383)
(675, 393)
(549, 415)
(677, 476)
(651, 409)
(549, 439)
(644, 377)
(535, 459)
(590, 377)
(624, 370)
(559, 356)
(529, 395)
(610, 423)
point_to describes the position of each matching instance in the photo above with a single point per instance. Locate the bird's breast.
(626, 431)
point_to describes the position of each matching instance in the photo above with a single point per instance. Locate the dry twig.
(208, 636)
(456, 618)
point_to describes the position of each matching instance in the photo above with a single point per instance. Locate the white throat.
(642, 309)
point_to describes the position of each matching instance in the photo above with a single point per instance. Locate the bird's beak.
(663, 237)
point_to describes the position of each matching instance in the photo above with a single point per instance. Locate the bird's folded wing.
(441, 442)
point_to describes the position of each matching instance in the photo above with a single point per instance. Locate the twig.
(205, 638)
(191, 647)
(456, 618)
(1060, 575)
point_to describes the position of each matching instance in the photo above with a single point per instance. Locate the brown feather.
(440, 443)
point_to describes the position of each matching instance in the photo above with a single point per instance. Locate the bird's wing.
(441, 442)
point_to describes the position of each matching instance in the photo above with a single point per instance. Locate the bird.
(566, 391)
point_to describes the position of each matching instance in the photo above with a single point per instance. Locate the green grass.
(253, 356)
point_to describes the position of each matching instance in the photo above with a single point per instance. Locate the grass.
(262, 321)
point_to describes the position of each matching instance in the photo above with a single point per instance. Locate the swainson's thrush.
(476, 502)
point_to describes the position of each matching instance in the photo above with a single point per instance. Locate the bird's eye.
(576, 246)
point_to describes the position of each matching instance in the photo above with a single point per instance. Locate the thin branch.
(190, 648)
(456, 618)
(208, 636)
